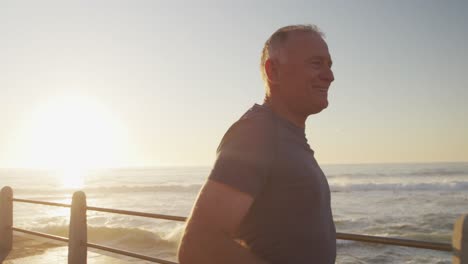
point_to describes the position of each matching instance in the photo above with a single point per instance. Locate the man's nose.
(327, 75)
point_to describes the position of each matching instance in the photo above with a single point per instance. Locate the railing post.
(78, 230)
(460, 240)
(6, 219)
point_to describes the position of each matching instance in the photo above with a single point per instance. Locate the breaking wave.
(436, 186)
(335, 187)
(401, 171)
(135, 239)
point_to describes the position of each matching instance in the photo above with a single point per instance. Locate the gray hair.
(275, 43)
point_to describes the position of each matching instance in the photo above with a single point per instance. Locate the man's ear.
(272, 71)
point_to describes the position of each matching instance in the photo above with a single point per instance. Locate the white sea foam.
(133, 238)
(435, 186)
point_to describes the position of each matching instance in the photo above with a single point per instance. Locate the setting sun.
(72, 178)
(72, 134)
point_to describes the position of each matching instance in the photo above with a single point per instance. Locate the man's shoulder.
(246, 152)
(255, 128)
(258, 121)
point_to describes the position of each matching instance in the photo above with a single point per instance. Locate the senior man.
(266, 199)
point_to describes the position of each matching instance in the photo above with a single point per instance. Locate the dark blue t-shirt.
(268, 158)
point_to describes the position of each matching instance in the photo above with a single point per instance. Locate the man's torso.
(290, 220)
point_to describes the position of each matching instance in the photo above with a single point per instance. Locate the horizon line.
(210, 165)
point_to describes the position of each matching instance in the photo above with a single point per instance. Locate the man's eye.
(315, 63)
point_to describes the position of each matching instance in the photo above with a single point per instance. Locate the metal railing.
(77, 250)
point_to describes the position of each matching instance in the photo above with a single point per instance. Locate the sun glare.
(72, 134)
(72, 178)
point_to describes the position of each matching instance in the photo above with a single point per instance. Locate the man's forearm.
(214, 248)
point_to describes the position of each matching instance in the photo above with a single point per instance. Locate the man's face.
(305, 75)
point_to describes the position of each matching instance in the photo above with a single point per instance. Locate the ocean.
(412, 201)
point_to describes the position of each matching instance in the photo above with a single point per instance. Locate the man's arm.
(208, 237)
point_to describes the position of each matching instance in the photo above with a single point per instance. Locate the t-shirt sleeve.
(244, 156)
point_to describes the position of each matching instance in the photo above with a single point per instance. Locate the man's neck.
(279, 108)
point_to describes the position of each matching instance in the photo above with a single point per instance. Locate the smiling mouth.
(321, 89)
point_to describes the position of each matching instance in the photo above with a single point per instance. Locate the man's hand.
(216, 215)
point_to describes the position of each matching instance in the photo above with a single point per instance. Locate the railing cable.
(343, 236)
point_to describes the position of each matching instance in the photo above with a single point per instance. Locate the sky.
(157, 83)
